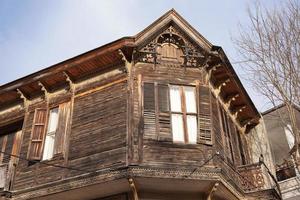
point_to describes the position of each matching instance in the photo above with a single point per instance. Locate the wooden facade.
(116, 111)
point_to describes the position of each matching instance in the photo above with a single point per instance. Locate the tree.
(270, 46)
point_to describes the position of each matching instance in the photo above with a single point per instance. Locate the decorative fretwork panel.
(253, 177)
(171, 45)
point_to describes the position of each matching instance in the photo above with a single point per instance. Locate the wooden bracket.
(24, 97)
(127, 63)
(214, 67)
(237, 109)
(44, 89)
(133, 188)
(221, 83)
(210, 69)
(212, 191)
(69, 80)
(246, 121)
(231, 97)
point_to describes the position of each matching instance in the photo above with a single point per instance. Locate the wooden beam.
(133, 188)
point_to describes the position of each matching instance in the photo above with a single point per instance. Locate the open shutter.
(204, 116)
(164, 117)
(63, 119)
(149, 111)
(37, 134)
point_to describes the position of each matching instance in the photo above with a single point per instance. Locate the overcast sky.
(36, 34)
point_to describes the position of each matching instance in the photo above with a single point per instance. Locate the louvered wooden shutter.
(8, 148)
(37, 134)
(149, 111)
(216, 126)
(164, 117)
(204, 116)
(63, 119)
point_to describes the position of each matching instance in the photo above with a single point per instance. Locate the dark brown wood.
(38, 134)
(63, 121)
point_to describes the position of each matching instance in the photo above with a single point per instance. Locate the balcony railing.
(248, 178)
(253, 177)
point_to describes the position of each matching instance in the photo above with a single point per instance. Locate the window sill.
(178, 144)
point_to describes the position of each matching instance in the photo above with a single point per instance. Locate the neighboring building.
(281, 140)
(161, 115)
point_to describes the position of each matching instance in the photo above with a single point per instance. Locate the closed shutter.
(60, 135)
(164, 117)
(37, 134)
(204, 116)
(8, 148)
(149, 111)
(218, 139)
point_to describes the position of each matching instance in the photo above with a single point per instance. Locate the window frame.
(184, 112)
(49, 133)
(59, 146)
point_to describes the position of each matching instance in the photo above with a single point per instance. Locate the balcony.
(253, 177)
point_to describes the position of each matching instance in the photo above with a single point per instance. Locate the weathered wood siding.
(157, 146)
(97, 136)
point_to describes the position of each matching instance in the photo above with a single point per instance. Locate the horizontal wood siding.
(158, 147)
(98, 136)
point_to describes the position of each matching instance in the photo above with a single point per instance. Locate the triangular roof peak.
(172, 17)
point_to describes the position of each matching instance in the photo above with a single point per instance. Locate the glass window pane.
(177, 128)
(49, 146)
(192, 128)
(175, 98)
(190, 99)
(53, 120)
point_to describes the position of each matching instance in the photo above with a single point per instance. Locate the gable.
(171, 44)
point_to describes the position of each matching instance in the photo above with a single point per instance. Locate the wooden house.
(160, 115)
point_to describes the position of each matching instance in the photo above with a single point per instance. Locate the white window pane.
(175, 98)
(177, 128)
(289, 136)
(53, 120)
(49, 146)
(190, 99)
(192, 128)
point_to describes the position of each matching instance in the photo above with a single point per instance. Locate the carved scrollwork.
(171, 46)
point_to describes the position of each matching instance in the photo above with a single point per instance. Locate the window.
(171, 113)
(10, 141)
(183, 114)
(48, 132)
(50, 135)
